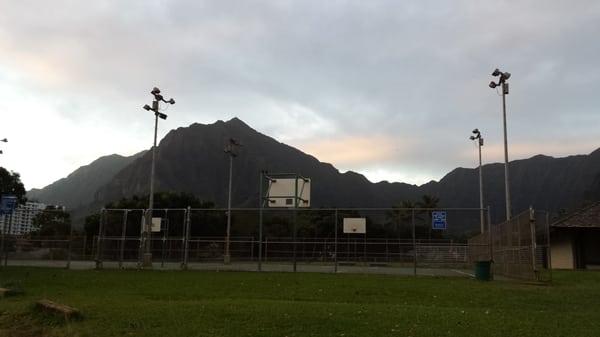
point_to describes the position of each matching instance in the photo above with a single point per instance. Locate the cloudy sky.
(390, 89)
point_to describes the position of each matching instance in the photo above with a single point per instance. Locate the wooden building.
(575, 240)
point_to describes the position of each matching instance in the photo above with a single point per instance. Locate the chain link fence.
(518, 248)
(397, 241)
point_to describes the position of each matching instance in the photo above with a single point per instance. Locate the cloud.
(352, 151)
(316, 75)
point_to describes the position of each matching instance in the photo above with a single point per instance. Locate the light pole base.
(147, 262)
(226, 259)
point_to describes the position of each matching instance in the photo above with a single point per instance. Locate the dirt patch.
(22, 325)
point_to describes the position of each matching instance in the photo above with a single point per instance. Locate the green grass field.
(175, 303)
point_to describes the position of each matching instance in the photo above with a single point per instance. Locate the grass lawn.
(175, 303)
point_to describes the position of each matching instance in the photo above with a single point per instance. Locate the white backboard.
(355, 225)
(156, 224)
(282, 191)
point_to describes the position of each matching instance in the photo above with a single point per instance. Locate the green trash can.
(483, 270)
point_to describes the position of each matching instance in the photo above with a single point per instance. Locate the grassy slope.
(134, 303)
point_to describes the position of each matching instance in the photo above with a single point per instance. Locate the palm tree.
(430, 202)
(401, 214)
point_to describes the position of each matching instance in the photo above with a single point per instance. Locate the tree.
(211, 221)
(10, 183)
(400, 218)
(431, 202)
(428, 201)
(52, 222)
(403, 212)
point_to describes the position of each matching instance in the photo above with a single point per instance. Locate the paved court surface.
(347, 268)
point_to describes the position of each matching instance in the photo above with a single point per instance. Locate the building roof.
(588, 217)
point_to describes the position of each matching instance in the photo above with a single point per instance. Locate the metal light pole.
(147, 261)
(230, 149)
(503, 76)
(477, 136)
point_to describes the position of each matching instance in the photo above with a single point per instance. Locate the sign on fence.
(438, 220)
(7, 204)
(156, 222)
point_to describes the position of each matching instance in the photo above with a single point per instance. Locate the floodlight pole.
(229, 149)
(503, 77)
(227, 257)
(295, 237)
(479, 139)
(482, 221)
(506, 180)
(147, 260)
(260, 219)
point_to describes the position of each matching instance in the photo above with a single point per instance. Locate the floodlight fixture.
(161, 115)
(503, 77)
(147, 107)
(1, 152)
(4, 140)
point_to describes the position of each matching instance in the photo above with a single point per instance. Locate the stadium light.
(147, 262)
(502, 78)
(230, 149)
(477, 136)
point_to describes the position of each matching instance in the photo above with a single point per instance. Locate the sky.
(390, 89)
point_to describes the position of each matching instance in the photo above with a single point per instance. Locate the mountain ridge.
(191, 159)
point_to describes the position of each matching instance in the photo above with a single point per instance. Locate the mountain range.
(191, 159)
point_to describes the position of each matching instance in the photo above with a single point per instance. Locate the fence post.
(84, 245)
(490, 234)
(164, 239)
(387, 253)
(3, 235)
(414, 237)
(186, 239)
(548, 245)
(99, 244)
(294, 238)
(267, 248)
(123, 237)
(335, 249)
(252, 248)
(142, 238)
(7, 241)
(69, 246)
(260, 219)
(533, 239)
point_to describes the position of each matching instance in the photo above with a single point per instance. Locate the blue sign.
(7, 204)
(438, 220)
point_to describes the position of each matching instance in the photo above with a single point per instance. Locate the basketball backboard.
(355, 225)
(283, 192)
